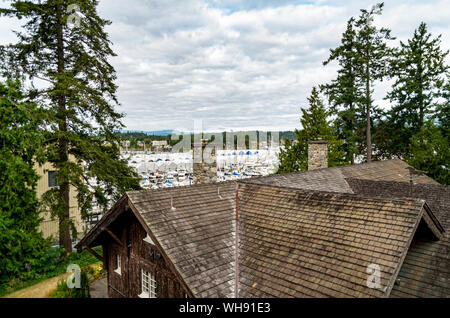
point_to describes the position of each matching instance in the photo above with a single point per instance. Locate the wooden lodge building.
(305, 234)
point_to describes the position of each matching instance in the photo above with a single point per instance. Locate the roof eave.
(433, 224)
(117, 209)
(155, 240)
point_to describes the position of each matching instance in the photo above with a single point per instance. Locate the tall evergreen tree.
(419, 71)
(315, 125)
(373, 57)
(430, 152)
(345, 92)
(80, 95)
(20, 150)
(442, 114)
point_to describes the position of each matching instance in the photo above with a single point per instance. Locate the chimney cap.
(318, 141)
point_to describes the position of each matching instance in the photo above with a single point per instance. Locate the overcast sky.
(235, 64)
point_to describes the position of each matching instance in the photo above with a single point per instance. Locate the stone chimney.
(317, 154)
(205, 163)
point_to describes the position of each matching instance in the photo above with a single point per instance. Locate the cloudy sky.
(238, 64)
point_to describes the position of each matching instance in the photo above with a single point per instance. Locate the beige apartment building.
(49, 226)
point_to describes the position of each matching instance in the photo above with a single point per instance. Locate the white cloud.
(236, 64)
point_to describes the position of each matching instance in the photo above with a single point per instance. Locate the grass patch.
(54, 266)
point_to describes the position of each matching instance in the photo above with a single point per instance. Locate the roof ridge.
(331, 168)
(437, 185)
(341, 194)
(198, 185)
(433, 216)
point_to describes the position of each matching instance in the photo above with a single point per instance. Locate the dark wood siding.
(137, 255)
(118, 282)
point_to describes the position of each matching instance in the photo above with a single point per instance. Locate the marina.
(165, 169)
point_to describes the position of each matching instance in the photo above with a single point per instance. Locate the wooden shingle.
(305, 234)
(194, 226)
(426, 269)
(295, 243)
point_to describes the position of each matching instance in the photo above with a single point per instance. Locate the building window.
(52, 179)
(148, 285)
(118, 270)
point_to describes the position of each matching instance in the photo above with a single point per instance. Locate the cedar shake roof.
(333, 179)
(296, 243)
(387, 170)
(426, 270)
(197, 235)
(436, 195)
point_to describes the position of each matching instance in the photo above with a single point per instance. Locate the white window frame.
(148, 285)
(118, 270)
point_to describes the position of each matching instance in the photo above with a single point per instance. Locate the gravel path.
(41, 290)
(99, 288)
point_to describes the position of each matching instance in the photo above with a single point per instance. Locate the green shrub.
(63, 291)
(49, 265)
(95, 272)
(21, 243)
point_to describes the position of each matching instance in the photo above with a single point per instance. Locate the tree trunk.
(368, 106)
(65, 239)
(420, 70)
(352, 122)
(421, 108)
(352, 128)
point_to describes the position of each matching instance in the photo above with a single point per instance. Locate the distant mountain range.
(167, 132)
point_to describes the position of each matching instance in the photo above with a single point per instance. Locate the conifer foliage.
(363, 57)
(63, 52)
(315, 125)
(419, 71)
(373, 58)
(345, 93)
(21, 245)
(415, 127)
